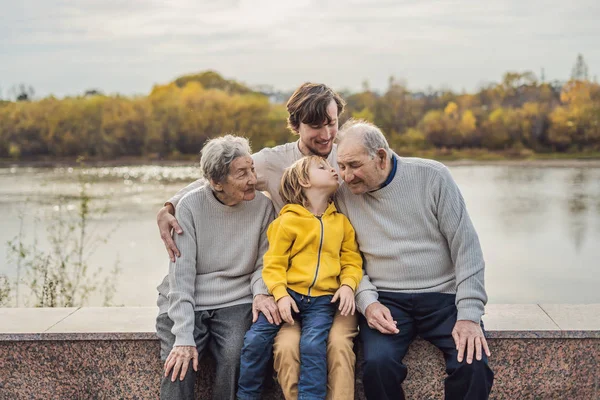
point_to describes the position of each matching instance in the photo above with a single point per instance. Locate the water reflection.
(539, 227)
(521, 202)
(578, 200)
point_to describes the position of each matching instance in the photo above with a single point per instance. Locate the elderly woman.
(206, 300)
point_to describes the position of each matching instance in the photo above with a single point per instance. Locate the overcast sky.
(126, 46)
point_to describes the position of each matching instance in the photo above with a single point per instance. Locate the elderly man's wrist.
(364, 300)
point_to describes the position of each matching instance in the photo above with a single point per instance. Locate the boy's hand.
(285, 305)
(346, 296)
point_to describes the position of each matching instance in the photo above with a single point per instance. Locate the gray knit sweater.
(222, 249)
(416, 236)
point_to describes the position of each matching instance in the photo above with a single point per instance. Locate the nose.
(347, 176)
(326, 132)
(252, 181)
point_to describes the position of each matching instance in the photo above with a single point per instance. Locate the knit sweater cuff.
(365, 299)
(185, 340)
(470, 310)
(259, 287)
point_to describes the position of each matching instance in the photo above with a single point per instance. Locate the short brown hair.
(294, 177)
(308, 105)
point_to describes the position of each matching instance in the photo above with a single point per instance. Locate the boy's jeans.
(316, 317)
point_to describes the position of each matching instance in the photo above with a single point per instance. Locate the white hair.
(218, 153)
(372, 137)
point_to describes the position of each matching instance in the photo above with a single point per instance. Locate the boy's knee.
(314, 345)
(255, 340)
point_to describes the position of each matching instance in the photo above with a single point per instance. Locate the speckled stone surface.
(554, 354)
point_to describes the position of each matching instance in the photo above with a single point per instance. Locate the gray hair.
(372, 137)
(218, 153)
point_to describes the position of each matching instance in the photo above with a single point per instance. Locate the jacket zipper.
(318, 257)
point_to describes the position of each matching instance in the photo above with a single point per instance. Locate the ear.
(216, 186)
(304, 183)
(382, 158)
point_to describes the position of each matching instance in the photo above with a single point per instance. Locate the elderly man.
(423, 262)
(313, 110)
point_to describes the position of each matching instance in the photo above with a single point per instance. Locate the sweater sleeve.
(465, 250)
(182, 278)
(257, 282)
(276, 259)
(182, 192)
(366, 294)
(350, 259)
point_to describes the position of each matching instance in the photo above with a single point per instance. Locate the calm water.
(539, 227)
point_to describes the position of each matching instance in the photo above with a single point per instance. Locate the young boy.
(312, 262)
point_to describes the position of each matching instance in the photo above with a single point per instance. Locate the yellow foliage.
(576, 92)
(468, 123)
(451, 110)
(365, 114)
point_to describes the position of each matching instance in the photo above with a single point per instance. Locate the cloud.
(65, 46)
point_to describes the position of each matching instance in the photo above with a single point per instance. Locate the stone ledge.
(526, 321)
(538, 352)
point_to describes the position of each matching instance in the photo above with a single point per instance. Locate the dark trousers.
(222, 331)
(431, 316)
(316, 317)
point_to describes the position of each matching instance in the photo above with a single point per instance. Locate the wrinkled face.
(318, 140)
(360, 172)
(323, 176)
(240, 182)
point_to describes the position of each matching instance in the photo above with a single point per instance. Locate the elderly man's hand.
(266, 305)
(468, 334)
(179, 360)
(167, 222)
(379, 317)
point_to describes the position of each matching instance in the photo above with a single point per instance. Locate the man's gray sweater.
(416, 236)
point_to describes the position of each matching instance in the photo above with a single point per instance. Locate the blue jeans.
(431, 316)
(316, 316)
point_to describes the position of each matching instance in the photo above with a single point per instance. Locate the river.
(539, 226)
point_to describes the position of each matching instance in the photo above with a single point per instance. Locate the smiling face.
(318, 139)
(240, 183)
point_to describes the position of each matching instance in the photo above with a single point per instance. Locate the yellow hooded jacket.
(311, 255)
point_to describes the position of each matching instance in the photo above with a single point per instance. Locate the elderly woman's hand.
(266, 305)
(179, 360)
